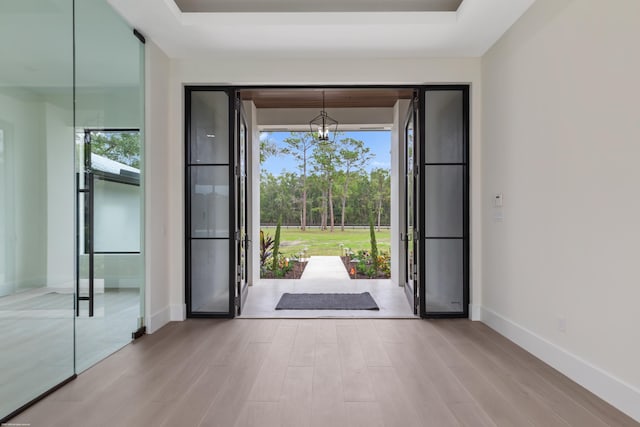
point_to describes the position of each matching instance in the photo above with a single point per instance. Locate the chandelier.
(323, 124)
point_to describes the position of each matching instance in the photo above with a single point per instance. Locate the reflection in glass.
(210, 201)
(444, 200)
(36, 200)
(210, 276)
(444, 275)
(209, 127)
(444, 127)
(109, 124)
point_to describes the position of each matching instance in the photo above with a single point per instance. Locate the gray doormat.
(363, 301)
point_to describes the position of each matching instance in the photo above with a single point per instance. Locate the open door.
(410, 206)
(210, 175)
(445, 279)
(217, 243)
(242, 237)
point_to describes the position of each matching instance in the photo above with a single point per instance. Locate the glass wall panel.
(36, 199)
(109, 125)
(445, 126)
(444, 201)
(444, 259)
(209, 128)
(210, 275)
(210, 201)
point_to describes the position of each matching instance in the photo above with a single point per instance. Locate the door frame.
(232, 92)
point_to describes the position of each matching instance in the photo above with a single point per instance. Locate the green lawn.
(293, 241)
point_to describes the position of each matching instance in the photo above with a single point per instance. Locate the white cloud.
(264, 136)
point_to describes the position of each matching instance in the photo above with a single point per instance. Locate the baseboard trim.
(616, 392)
(158, 320)
(178, 312)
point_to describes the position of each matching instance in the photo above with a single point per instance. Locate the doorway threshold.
(265, 294)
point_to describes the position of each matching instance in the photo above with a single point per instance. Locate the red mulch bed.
(294, 273)
(347, 263)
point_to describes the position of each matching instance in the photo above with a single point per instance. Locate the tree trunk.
(344, 200)
(323, 212)
(331, 205)
(379, 212)
(303, 219)
(304, 191)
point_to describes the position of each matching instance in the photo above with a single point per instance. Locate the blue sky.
(379, 142)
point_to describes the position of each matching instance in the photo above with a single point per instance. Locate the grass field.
(293, 241)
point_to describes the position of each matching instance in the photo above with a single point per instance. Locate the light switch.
(497, 201)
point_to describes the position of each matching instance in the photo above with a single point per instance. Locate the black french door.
(444, 244)
(216, 136)
(435, 210)
(411, 198)
(242, 238)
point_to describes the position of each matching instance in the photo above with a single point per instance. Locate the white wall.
(157, 141)
(253, 191)
(312, 72)
(561, 141)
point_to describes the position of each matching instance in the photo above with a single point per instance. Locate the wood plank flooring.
(323, 373)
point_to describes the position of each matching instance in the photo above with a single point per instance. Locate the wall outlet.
(562, 324)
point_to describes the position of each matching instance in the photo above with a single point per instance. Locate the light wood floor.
(325, 373)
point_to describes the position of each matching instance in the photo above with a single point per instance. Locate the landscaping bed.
(295, 272)
(362, 268)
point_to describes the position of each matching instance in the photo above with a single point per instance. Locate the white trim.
(178, 312)
(158, 319)
(613, 390)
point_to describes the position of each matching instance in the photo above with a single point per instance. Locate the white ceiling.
(468, 32)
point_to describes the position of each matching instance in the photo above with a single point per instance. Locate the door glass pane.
(444, 207)
(209, 127)
(444, 260)
(109, 115)
(444, 127)
(210, 276)
(37, 199)
(410, 266)
(209, 201)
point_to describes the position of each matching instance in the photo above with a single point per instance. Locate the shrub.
(266, 245)
(276, 246)
(374, 244)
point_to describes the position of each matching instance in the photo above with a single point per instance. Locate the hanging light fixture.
(323, 124)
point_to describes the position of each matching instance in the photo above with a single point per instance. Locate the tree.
(123, 147)
(276, 247)
(380, 181)
(298, 146)
(268, 147)
(325, 159)
(354, 156)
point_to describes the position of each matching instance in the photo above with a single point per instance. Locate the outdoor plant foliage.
(266, 246)
(374, 245)
(276, 247)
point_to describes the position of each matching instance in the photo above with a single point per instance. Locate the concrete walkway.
(325, 267)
